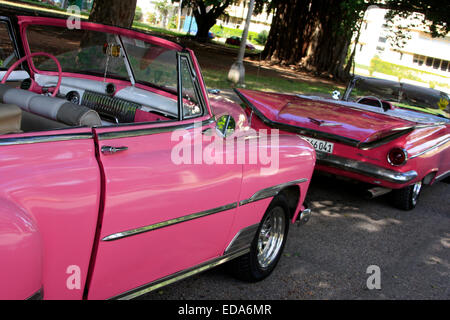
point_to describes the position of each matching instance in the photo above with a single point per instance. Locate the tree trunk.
(114, 12)
(204, 24)
(312, 35)
(206, 16)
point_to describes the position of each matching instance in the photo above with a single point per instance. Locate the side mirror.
(226, 125)
(336, 95)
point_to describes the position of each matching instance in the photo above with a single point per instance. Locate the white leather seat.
(55, 109)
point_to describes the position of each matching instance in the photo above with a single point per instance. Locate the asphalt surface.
(328, 258)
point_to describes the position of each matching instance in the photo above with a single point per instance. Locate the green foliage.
(224, 32)
(217, 79)
(262, 37)
(152, 18)
(173, 22)
(401, 72)
(398, 71)
(434, 14)
(138, 14)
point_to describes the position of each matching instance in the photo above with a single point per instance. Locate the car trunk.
(322, 116)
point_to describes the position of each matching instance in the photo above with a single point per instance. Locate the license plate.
(320, 145)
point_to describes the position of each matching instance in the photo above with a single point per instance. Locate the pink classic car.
(98, 199)
(394, 137)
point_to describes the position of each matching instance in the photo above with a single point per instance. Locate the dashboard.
(114, 106)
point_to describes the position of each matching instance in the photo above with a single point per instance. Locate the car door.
(9, 52)
(160, 216)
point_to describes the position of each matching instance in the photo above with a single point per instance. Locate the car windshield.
(102, 54)
(401, 95)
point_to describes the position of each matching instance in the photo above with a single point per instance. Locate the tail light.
(397, 157)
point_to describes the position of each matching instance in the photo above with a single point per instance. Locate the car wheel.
(267, 246)
(407, 198)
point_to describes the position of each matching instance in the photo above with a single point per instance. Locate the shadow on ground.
(329, 257)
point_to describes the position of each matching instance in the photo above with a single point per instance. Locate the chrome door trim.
(178, 276)
(271, 192)
(168, 223)
(151, 131)
(43, 139)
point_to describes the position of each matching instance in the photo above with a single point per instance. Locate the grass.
(217, 79)
(401, 72)
(146, 27)
(224, 32)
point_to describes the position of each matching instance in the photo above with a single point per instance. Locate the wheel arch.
(292, 195)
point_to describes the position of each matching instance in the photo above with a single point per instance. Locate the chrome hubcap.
(271, 237)
(416, 191)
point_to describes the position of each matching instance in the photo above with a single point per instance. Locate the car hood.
(327, 117)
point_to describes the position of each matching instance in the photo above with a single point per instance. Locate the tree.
(314, 34)
(206, 13)
(317, 34)
(164, 9)
(113, 12)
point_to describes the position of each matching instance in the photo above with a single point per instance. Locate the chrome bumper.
(366, 169)
(304, 216)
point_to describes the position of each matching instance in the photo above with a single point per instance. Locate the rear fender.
(290, 173)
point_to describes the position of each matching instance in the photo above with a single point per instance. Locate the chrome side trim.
(168, 223)
(431, 149)
(270, 192)
(43, 139)
(366, 169)
(243, 239)
(151, 131)
(443, 176)
(178, 276)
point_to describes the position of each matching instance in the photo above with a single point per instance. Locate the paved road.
(329, 257)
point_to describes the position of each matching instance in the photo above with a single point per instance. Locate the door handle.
(112, 150)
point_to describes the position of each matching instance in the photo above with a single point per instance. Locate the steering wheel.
(44, 54)
(373, 98)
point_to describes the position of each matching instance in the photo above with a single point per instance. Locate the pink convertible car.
(393, 136)
(98, 199)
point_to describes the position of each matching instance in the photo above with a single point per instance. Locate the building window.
(436, 63)
(417, 59)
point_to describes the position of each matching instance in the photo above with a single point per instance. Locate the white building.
(421, 52)
(237, 13)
